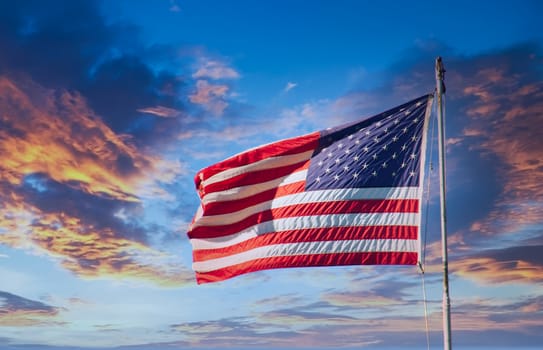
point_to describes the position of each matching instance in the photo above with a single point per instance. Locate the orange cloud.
(16, 311)
(513, 135)
(490, 270)
(85, 250)
(55, 133)
(210, 96)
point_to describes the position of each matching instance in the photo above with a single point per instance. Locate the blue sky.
(108, 109)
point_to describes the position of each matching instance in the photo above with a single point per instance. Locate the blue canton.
(382, 151)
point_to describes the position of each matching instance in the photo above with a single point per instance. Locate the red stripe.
(224, 207)
(310, 235)
(309, 209)
(255, 177)
(376, 258)
(281, 148)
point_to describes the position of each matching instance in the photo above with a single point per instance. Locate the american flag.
(348, 195)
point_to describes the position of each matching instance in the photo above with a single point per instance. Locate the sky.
(108, 110)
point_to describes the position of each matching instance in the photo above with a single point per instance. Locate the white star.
(367, 132)
(338, 160)
(411, 173)
(404, 147)
(357, 142)
(336, 177)
(393, 173)
(350, 137)
(366, 148)
(414, 138)
(403, 165)
(418, 104)
(355, 175)
(356, 158)
(340, 145)
(376, 139)
(384, 165)
(379, 124)
(374, 173)
(416, 120)
(394, 155)
(395, 138)
(318, 179)
(407, 112)
(413, 156)
(327, 170)
(396, 121)
(365, 166)
(346, 168)
(347, 151)
(374, 156)
(386, 130)
(385, 147)
(404, 130)
(330, 154)
(320, 163)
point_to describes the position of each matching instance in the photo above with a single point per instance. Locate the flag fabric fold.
(348, 195)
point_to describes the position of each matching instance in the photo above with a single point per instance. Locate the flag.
(348, 195)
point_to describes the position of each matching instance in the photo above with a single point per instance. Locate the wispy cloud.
(210, 96)
(87, 250)
(161, 111)
(214, 69)
(290, 86)
(513, 139)
(520, 264)
(17, 311)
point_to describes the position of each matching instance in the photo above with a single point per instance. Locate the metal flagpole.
(440, 89)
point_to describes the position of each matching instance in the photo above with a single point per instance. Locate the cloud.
(65, 175)
(214, 69)
(85, 141)
(16, 311)
(161, 111)
(104, 62)
(289, 86)
(517, 264)
(210, 96)
(58, 135)
(88, 249)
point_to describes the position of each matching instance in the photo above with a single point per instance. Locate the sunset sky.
(108, 109)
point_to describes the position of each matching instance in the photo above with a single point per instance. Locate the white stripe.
(307, 222)
(322, 247)
(346, 194)
(267, 163)
(249, 190)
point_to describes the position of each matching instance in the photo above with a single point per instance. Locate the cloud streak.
(16, 311)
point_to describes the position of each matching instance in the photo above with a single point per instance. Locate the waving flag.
(348, 195)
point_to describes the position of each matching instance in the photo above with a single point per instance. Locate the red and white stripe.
(255, 214)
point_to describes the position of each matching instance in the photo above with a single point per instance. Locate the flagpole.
(440, 90)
